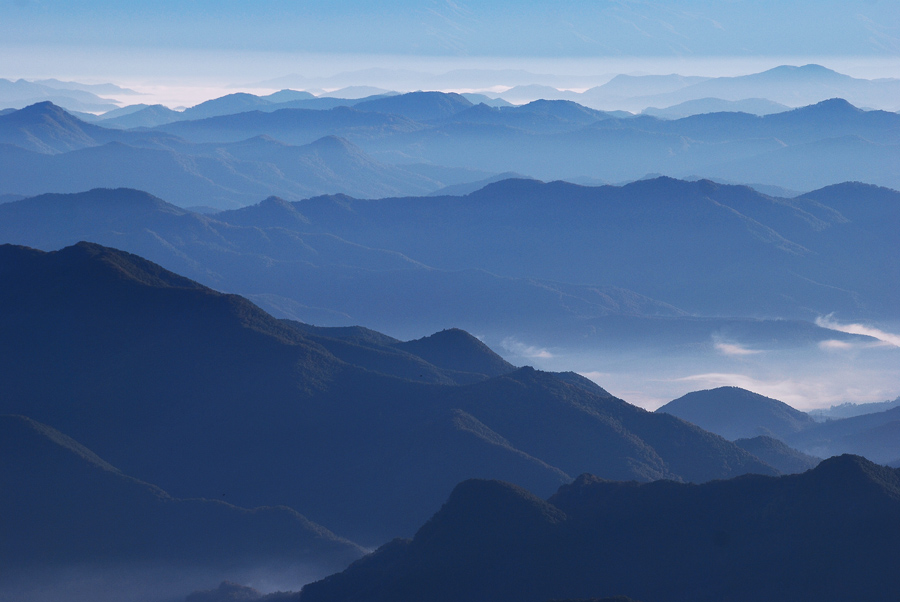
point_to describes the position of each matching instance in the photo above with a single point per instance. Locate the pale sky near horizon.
(229, 41)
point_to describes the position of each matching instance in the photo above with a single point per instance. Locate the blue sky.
(461, 28)
(210, 45)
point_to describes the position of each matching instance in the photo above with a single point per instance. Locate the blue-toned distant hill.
(46, 128)
(418, 106)
(399, 264)
(46, 149)
(830, 534)
(875, 435)
(849, 409)
(736, 413)
(788, 85)
(207, 396)
(802, 149)
(751, 419)
(73, 96)
(754, 106)
(758, 245)
(778, 454)
(137, 116)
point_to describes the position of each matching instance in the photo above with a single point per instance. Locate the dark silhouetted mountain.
(233, 592)
(736, 413)
(63, 505)
(778, 454)
(754, 106)
(417, 106)
(457, 350)
(828, 534)
(224, 401)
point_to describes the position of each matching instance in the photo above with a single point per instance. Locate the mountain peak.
(856, 473)
(832, 106)
(479, 506)
(736, 413)
(332, 142)
(457, 350)
(810, 71)
(272, 212)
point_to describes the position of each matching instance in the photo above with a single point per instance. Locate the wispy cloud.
(835, 345)
(734, 349)
(514, 346)
(886, 337)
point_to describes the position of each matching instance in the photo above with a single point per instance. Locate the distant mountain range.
(849, 409)
(828, 534)
(207, 396)
(738, 415)
(397, 264)
(700, 106)
(801, 149)
(793, 86)
(71, 95)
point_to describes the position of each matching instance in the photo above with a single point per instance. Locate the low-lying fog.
(144, 583)
(817, 375)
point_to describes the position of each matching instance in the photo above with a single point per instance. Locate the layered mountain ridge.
(661, 541)
(250, 399)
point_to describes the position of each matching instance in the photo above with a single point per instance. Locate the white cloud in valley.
(861, 329)
(518, 348)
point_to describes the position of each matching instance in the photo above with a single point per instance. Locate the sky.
(223, 42)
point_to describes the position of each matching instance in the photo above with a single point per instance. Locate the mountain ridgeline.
(110, 518)
(493, 263)
(392, 141)
(771, 429)
(205, 395)
(829, 534)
